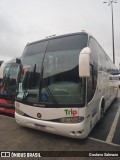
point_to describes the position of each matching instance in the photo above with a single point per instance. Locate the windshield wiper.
(31, 81)
(47, 88)
(49, 92)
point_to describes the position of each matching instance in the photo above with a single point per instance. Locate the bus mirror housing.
(84, 62)
(15, 60)
(18, 61)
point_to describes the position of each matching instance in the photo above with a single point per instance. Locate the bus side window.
(92, 82)
(92, 74)
(90, 92)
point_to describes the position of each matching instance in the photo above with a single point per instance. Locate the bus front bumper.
(76, 130)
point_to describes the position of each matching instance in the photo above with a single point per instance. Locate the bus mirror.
(18, 61)
(84, 62)
(1, 73)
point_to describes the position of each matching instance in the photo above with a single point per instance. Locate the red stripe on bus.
(5, 110)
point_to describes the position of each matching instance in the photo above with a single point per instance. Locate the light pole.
(110, 2)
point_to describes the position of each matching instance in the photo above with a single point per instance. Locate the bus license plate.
(40, 126)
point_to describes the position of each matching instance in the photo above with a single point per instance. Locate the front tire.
(101, 112)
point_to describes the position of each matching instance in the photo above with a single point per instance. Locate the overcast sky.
(23, 21)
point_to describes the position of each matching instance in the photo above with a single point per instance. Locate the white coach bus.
(64, 85)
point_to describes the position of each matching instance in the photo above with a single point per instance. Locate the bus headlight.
(19, 111)
(71, 119)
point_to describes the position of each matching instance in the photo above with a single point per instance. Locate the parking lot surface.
(17, 138)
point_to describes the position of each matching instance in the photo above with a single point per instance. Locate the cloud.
(30, 20)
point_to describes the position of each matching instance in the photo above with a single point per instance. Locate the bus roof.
(59, 36)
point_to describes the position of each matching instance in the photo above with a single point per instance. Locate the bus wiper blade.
(49, 92)
(47, 88)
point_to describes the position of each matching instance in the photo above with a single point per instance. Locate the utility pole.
(110, 2)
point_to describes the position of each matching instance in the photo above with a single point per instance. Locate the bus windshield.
(8, 84)
(49, 71)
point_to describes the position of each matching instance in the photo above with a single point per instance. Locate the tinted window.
(61, 69)
(53, 67)
(92, 80)
(9, 80)
(94, 49)
(65, 43)
(35, 48)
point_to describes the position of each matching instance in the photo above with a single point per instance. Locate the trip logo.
(70, 112)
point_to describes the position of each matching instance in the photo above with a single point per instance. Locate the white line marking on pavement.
(98, 140)
(113, 128)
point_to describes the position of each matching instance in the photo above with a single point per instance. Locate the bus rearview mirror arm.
(84, 62)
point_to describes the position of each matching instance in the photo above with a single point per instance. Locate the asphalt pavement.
(17, 138)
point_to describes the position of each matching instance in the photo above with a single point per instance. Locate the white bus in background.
(64, 85)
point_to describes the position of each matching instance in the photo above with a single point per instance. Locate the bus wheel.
(101, 111)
